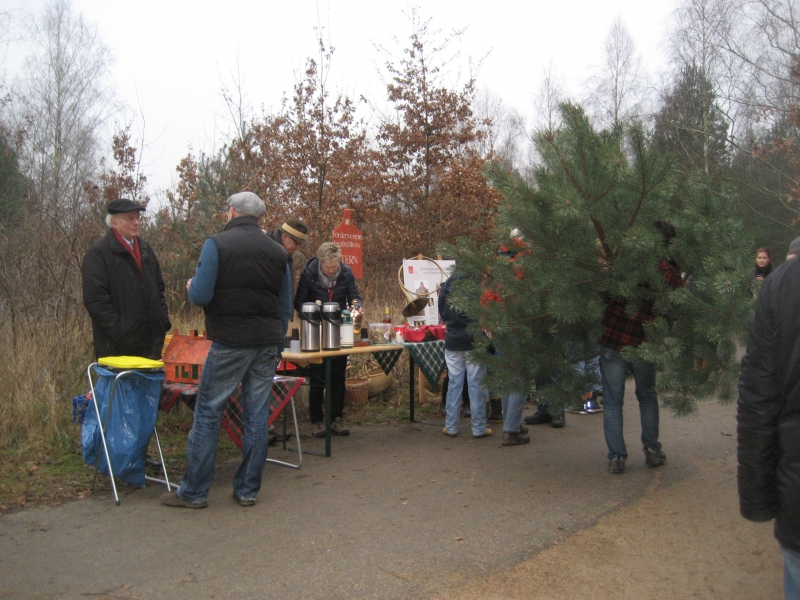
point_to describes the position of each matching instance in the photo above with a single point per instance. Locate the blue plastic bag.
(130, 424)
(79, 406)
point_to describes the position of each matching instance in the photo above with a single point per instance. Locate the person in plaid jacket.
(621, 329)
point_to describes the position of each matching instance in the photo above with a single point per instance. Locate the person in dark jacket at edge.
(768, 417)
(291, 235)
(327, 279)
(240, 282)
(458, 347)
(622, 328)
(123, 289)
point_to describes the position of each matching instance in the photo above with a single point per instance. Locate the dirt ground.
(680, 542)
(401, 511)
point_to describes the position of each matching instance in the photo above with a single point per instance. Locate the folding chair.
(283, 389)
(117, 369)
(281, 394)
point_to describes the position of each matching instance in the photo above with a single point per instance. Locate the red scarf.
(137, 255)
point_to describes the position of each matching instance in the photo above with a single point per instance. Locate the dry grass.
(45, 368)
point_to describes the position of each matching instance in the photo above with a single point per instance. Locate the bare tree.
(551, 95)
(503, 130)
(618, 88)
(60, 106)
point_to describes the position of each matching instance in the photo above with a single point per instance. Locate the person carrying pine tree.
(621, 329)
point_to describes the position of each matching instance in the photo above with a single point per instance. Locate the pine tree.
(691, 125)
(584, 233)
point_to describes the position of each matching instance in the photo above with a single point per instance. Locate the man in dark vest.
(240, 283)
(123, 290)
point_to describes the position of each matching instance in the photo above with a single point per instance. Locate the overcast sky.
(171, 54)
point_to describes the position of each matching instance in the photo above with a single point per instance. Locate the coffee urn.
(331, 322)
(310, 325)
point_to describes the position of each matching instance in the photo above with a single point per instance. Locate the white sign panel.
(422, 278)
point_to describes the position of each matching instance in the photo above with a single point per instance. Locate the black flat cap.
(123, 205)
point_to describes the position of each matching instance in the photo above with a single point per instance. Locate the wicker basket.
(356, 389)
(378, 380)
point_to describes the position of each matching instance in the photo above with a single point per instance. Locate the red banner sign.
(350, 240)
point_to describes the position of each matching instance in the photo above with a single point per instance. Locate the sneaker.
(538, 418)
(654, 458)
(318, 429)
(244, 501)
(272, 437)
(486, 433)
(444, 431)
(616, 465)
(172, 499)
(338, 427)
(558, 421)
(466, 411)
(514, 439)
(523, 428)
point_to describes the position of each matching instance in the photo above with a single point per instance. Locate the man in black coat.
(123, 290)
(769, 417)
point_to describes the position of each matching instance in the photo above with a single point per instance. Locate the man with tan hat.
(291, 235)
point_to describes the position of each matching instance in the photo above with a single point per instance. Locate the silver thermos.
(331, 322)
(309, 327)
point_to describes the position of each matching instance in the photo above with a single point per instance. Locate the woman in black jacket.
(327, 279)
(762, 266)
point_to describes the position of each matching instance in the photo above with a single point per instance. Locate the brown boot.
(515, 439)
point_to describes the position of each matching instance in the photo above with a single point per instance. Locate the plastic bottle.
(387, 316)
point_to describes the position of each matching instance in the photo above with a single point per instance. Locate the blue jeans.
(590, 368)
(614, 370)
(459, 365)
(513, 403)
(512, 411)
(225, 368)
(791, 574)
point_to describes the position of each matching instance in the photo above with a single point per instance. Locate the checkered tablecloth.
(283, 388)
(387, 358)
(429, 357)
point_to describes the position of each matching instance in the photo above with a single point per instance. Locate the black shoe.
(558, 421)
(616, 465)
(495, 412)
(538, 418)
(654, 458)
